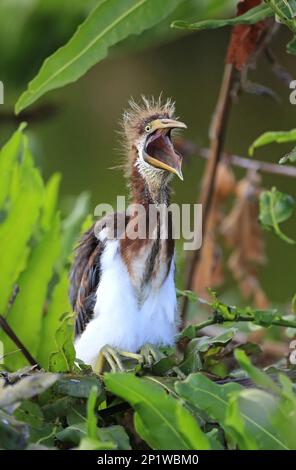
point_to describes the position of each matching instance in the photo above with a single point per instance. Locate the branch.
(6, 328)
(217, 134)
(257, 165)
(218, 320)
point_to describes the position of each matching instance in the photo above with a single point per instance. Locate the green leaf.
(207, 396)
(63, 359)
(94, 438)
(13, 433)
(17, 228)
(91, 417)
(258, 376)
(78, 386)
(109, 23)
(252, 16)
(9, 155)
(161, 420)
(71, 226)
(291, 46)
(270, 137)
(25, 316)
(289, 157)
(58, 305)
(236, 423)
(50, 201)
(276, 207)
(256, 408)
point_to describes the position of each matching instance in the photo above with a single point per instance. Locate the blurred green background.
(77, 135)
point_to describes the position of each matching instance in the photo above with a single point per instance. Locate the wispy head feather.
(140, 113)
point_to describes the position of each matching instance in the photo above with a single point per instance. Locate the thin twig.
(251, 164)
(218, 320)
(8, 330)
(217, 134)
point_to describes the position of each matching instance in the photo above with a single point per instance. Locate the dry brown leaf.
(242, 232)
(209, 271)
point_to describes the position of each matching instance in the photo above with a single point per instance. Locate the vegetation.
(206, 393)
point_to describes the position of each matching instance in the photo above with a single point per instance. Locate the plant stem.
(6, 328)
(217, 134)
(219, 320)
(248, 164)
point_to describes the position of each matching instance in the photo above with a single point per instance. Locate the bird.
(122, 288)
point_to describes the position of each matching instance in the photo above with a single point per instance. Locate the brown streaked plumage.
(137, 270)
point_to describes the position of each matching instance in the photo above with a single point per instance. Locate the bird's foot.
(114, 357)
(150, 354)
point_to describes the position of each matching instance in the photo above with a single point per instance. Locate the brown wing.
(84, 279)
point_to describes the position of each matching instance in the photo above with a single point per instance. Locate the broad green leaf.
(256, 408)
(236, 423)
(276, 207)
(17, 228)
(9, 155)
(109, 23)
(78, 386)
(258, 376)
(289, 157)
(270, 137)
(50, 201)
(252, 16)
(25, 316)
(63, 359)
(207, 396)
(58, 305)
(161, 420)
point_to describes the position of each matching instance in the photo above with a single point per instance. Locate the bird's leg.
(147, 356)
(110, 355)
(113, 357)
(150, 354)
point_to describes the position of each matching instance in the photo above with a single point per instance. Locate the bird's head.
(148, 130)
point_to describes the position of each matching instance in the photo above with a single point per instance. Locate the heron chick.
(122, 288)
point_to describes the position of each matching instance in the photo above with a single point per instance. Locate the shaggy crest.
(138, 114)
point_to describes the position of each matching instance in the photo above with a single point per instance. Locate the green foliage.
(289, 157)
(270, 137)
(161, 420)
(63, 359)
(35, 247)
(275, 208)
(252, 16)
(109, 23)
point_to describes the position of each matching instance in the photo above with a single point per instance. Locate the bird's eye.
(148, 128)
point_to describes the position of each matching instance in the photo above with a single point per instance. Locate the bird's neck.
(148, 188)
(147, 191)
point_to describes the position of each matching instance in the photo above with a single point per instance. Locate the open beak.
(159, 149)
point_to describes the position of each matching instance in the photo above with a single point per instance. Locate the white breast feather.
(118, 319)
